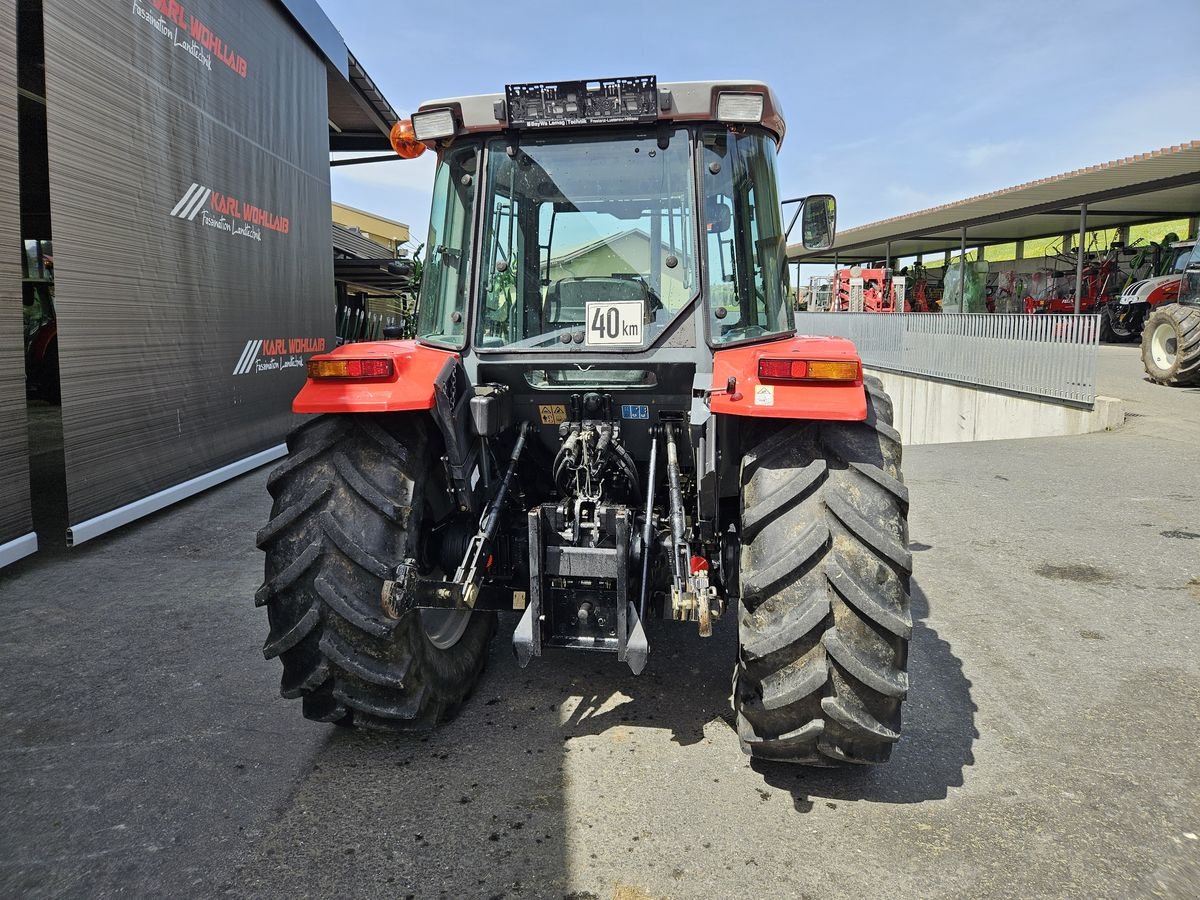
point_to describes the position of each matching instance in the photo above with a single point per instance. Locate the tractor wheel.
(351, 501)
(824, 619)
(1171, 344)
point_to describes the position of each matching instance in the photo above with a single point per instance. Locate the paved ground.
(1051, 739)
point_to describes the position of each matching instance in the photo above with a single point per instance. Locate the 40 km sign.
(614, 324)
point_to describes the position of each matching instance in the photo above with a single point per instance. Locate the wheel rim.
(1163, 346)
(444, 627)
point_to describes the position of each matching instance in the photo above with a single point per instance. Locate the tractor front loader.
(605, 417)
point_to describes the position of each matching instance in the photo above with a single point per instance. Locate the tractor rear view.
(1171, 335)
(606, 417)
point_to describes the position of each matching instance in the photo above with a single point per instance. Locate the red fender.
(40, 346)
(415, 367)
(834, 401)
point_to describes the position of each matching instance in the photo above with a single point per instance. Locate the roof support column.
(887, 263)
(962, 268)
(1079, 254)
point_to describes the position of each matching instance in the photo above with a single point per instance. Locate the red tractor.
(606, 416)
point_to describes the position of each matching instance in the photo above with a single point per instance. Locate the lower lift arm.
(408, 590)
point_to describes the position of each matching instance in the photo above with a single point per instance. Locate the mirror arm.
(792, 223)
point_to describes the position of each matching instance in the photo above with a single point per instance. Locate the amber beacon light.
(404, 141)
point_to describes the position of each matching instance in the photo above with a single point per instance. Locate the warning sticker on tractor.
(552, 413)
(635, 411)
(764, 395)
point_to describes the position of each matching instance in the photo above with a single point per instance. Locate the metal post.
(962, 269)
(1079, 254)
(887, 263)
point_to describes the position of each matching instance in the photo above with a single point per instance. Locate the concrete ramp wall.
(935, 412)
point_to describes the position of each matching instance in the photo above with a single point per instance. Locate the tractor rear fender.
(421, 378)
(411, 385)
(841, 401)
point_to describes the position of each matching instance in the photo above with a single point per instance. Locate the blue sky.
(891, 106)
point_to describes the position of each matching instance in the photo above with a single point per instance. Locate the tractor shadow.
(684, 687)
(936, 746)
(479, 807)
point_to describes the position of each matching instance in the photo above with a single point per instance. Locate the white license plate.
(614, 324)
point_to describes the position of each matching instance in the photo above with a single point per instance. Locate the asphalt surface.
(1050, 746)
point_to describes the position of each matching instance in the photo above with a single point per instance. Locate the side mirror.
(818, 222)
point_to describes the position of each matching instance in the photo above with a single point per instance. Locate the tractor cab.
(1189, 287)
(607, 217)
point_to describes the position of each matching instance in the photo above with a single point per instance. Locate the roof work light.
(739, 107)
(434, 124)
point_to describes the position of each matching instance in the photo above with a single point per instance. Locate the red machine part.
(365, 387)
(778, 380)
(1099, 283)
(877, 290)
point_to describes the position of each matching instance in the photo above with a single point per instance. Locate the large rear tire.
(824, 619)
(350, 503)
(1171, 345)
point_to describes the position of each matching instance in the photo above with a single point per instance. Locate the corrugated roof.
(1161, 184)
(351, 243)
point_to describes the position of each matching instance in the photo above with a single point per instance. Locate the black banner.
(14, 450)
(189, 187)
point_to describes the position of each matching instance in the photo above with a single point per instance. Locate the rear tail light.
(350, 368)
(835, 370)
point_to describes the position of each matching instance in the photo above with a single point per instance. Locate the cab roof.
(679, 101)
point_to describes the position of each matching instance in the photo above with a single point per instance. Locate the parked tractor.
(1171, 336)
(1122, 319)
(605, 417)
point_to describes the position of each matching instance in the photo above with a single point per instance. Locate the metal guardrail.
(1046, 355)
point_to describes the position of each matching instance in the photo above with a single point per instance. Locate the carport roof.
(360, 117)
(1149, 187)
